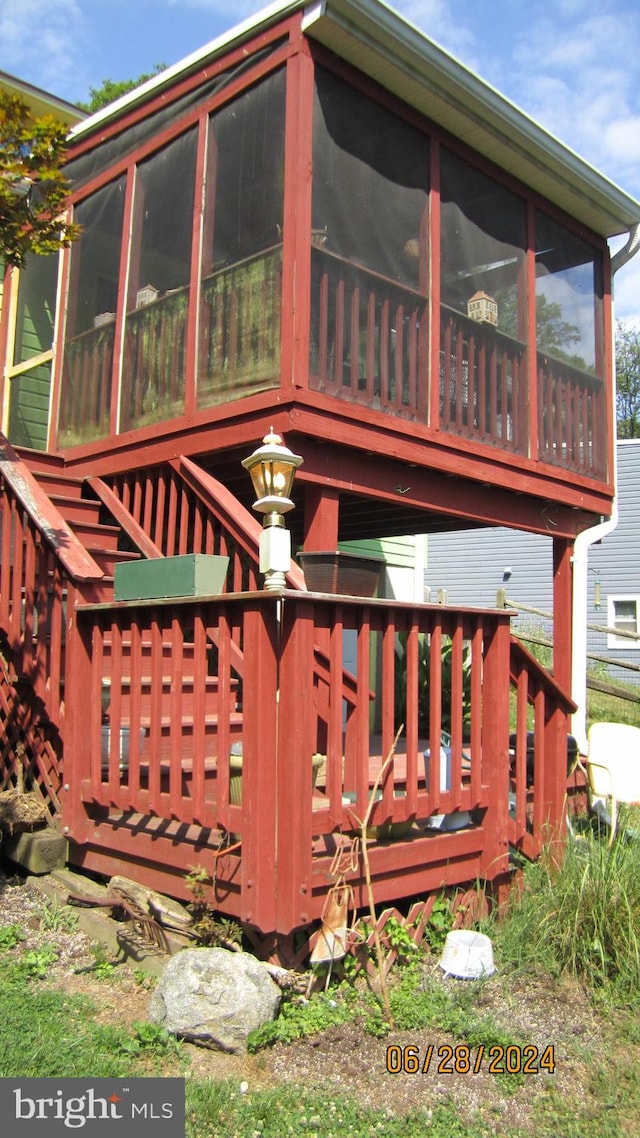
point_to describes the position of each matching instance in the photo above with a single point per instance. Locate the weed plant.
(580, 918)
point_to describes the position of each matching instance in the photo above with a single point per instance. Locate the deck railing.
(85, 399)
(483, 383)
(42, 566)
(154, 360)
(572, 417)
(207, 745)
(239, 328)
(369, 337)
(539, 752)
(43, 569)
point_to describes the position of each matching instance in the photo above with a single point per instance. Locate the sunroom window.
(85, 397)
(240, 302)
(369, 251)
(572, 409)
(483, 323)
(153, 373)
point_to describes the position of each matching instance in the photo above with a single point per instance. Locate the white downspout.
(583, 543)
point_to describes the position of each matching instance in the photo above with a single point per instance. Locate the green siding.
(29, 408)
(399, 551)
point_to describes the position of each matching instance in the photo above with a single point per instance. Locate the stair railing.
(42, 564)
(538, 778)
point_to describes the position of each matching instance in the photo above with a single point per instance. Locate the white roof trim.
(398, 55)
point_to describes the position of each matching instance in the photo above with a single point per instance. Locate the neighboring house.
(319, 225)
(26, 362)
(474, 565)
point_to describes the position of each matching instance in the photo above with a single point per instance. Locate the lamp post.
(272, 467)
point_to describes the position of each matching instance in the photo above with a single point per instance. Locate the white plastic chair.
(613, 769)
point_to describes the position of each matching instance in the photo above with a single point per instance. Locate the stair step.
(76, 509)
(95, 535)
(107, 559)
(53, 483)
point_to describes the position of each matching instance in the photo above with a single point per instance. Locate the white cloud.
(41, 40)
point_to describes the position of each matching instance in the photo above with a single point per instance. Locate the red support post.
(321, 510)
(258, 905)
(296, 745)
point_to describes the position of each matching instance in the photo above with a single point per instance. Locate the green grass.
(218, 1110)
(582, 919)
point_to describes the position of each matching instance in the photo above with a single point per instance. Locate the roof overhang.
(41, 102)
(396, 54)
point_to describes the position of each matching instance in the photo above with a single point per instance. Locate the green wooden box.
(191, 575)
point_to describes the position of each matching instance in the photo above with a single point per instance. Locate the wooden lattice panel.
(30, 749)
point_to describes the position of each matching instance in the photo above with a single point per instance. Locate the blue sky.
(572, 65)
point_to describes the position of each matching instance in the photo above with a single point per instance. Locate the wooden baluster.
(385, 353)
(493, 393)
(447, 351)
(475, 748)
(156, 755)
(136, 508)
(371, 349)
(474, 417)
(57, 637)
(134, 636)
(29, 600)
(335, 772)
(482, 387)
(183, 537)
(199, 710)
(411, 726)
(398, 358)
(177, 712)
(148, 504)
(158, 533)
(225, 709)
(172, 517)
(412, 391)
(323, 327)
(435, 711)
(461, 396)
(339, 360)
(355, 343)
(15, 624)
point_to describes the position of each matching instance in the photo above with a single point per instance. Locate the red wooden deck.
(227, 703)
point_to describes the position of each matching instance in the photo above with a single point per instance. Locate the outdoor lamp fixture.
(273, 468)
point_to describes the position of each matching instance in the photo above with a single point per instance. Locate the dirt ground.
(344, 1060)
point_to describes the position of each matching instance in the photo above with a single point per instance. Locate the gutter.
(582, 545)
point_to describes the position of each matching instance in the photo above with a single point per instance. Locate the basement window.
(623, 615)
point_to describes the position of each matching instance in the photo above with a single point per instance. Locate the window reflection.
(567, 295)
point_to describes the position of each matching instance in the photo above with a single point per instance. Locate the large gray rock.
(214, 997)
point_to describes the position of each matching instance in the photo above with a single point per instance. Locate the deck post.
(259, 867)
(296, 745)
(321, 515)
(82, 714)
(557, 728)
(495, 748)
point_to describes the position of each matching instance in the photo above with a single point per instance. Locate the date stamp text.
(464, 1060)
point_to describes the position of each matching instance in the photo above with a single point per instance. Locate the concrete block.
(38, 852)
